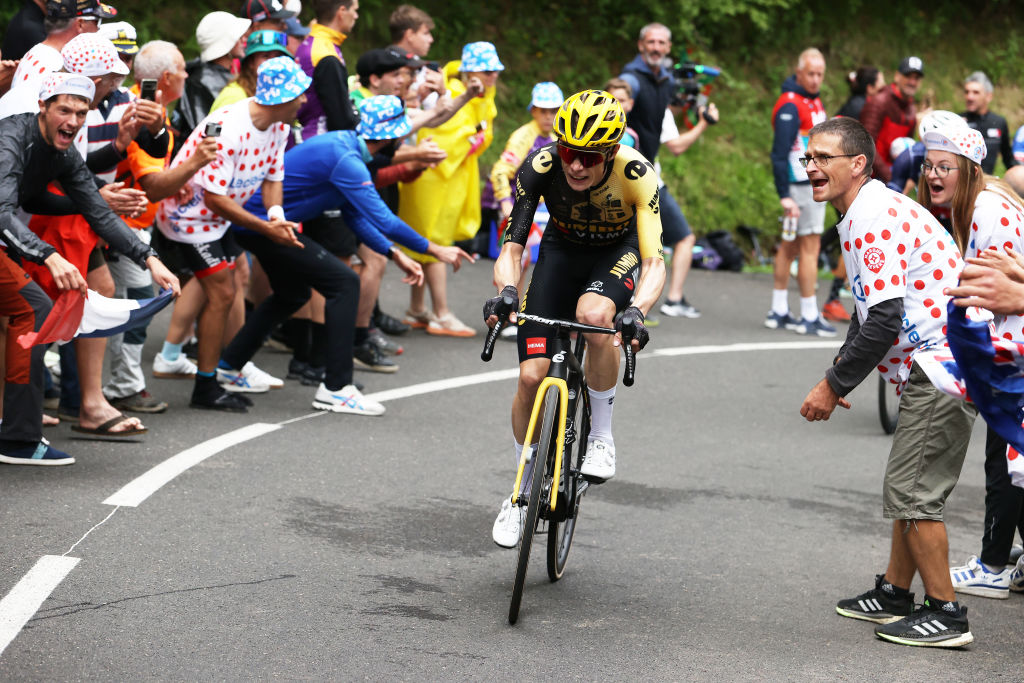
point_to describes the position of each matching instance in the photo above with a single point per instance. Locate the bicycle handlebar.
(570, 326)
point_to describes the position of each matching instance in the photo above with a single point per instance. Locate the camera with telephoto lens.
(212, 129)
(692, 82)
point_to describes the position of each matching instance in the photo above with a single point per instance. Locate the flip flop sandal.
(104, 431)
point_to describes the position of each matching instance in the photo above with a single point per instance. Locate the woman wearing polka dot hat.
(443, 204)
(987, 215)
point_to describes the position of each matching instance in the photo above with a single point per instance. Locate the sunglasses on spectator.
(268, 38)
(587, 159)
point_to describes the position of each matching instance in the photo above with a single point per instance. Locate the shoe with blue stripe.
(816, 328)
(976, 578)
(238, 382)
(348, 399)
(41, 453)
(933, 624)
(785, 321)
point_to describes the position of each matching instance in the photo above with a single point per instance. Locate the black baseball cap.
(69, 9)
(380, 61)
(912, 65)
(261, 10)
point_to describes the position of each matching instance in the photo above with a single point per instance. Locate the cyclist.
(602, 246)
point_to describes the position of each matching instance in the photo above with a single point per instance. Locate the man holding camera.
(653, 88)
(252, 135)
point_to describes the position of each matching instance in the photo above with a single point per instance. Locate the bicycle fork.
(563, 406)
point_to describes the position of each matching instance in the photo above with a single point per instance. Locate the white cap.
(62, 83)
(961, 140)
(90, 54)
(218, 32)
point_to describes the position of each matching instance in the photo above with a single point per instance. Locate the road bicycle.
(561, 416)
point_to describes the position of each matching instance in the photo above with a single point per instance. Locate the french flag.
(988, 372)
(93, 315)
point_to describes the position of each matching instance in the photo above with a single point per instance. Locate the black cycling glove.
(638, 331)
(497, 306)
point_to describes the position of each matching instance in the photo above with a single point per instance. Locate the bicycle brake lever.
(627, 348)
(492, 336)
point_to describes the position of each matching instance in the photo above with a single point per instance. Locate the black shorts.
(564, 272)
(201, 260)
(332, 233)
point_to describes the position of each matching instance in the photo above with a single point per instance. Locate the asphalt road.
(340, 547)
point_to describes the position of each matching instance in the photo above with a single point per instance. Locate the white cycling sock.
(601, 415)
(780, 301)
(519, 450)
(809, 308)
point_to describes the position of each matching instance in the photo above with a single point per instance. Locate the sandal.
(450, 326)
(105, 430)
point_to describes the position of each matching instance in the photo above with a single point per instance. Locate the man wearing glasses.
(899, 260)
(796, 111)
(601, 248)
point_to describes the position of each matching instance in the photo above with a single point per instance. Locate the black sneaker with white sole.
(368, 357)
(883, 604)
(933, 624)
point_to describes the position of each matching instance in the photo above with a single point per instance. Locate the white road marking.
(134, 492)
(28, 595)
(741, 347)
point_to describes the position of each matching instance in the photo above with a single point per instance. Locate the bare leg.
(436, 276)
(921, 546)
(682, 257)
(602, 361)
(531, 372)
(783, 260)
(807, 269)
(220, 294)
(186, 310)
(236, 315)
(370, 278)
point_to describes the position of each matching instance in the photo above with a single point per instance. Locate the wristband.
(391, 252)
(275, 212)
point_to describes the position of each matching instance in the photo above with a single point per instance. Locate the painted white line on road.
(141, 488)
(741, 347)
(444, 384)
(18, 606)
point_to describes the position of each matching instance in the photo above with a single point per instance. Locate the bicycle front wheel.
(562, 527)
(888, 405)
(540, 481)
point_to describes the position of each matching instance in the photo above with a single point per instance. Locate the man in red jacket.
(892, 113)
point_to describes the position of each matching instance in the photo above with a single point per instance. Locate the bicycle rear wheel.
(562, 528)
(888, 405)
(542, 460)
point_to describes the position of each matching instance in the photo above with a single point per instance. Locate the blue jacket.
(329, 172)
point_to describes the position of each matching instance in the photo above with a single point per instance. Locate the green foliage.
(725, 178)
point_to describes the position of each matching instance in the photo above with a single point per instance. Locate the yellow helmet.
(590, 119)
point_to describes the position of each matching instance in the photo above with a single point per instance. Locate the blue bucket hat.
(280, 80)
(382, 117)
(546, 95)
(481, 56)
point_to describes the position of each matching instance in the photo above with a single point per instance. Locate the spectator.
(865, 82)
(443, 204)
(330, 173)
(797, 110)
(65, 19)
(623, 94)
(221, 38)
(412, 33)
(267, 15)
(25, 29)
(653, 88)
(27, 145)
(992, 126)
(297, 33)
(892, 246)
(259, 47)
(328, 106)
(250, 156)
(892, 113)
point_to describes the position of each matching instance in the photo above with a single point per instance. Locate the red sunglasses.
(587, 159)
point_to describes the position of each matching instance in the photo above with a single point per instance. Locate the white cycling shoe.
(508, 527)
(599, 462)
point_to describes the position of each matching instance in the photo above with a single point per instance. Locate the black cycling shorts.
(201, 260)
(565, 272)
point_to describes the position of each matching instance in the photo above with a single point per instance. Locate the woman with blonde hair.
(986, 214)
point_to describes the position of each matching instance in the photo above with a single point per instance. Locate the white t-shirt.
(246, 157)
(894, 248)
(998, 222)
(23, 97)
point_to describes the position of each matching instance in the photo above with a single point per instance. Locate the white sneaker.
(974, 578)
(599, 462)
(237, 382)
(182, 368)
(348, 399)
(1017, 576)
(508, 527)
(258, 377)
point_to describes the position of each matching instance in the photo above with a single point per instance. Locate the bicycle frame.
(563, 360)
